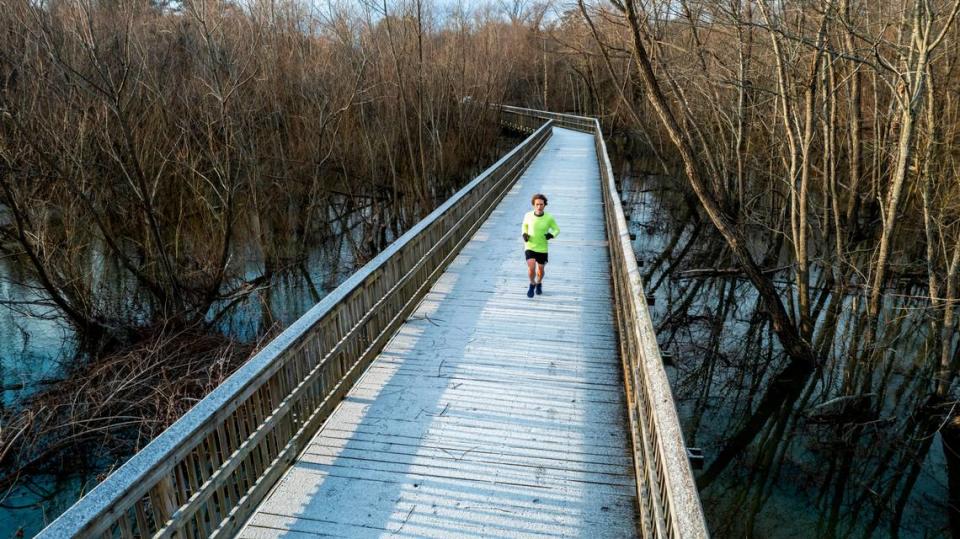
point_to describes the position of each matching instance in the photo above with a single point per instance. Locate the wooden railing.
(666, 491)
(203, 476)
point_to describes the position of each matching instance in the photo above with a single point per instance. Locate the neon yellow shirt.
(538, 227)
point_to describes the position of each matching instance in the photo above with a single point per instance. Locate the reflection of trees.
(852, 463)
(951, 449)
(770, 416)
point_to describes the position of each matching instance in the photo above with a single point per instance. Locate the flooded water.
(789, 452)
(35, 351)
(31, 345)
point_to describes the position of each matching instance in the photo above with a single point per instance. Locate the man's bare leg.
(531, 269)
(538, 289)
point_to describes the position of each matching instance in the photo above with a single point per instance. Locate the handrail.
(203, 475)
(666, 491)
(570, 121)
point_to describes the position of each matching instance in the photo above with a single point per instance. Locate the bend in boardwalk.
(488, 414)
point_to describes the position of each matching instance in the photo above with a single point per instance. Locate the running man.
(538, 227)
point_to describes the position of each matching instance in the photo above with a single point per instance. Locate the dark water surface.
(787, 452)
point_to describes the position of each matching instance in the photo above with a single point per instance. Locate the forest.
(165, 164)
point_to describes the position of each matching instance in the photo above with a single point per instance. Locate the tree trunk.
(793, 343)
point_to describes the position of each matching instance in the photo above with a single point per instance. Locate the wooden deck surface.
(488, 414)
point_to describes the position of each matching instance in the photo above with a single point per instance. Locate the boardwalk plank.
(456, 441)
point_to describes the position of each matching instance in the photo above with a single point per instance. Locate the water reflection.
(847, 450)
(32, 341)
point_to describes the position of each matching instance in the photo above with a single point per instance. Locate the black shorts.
(541, 258)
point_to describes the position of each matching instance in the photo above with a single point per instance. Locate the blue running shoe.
(530, 291)
(539, 288)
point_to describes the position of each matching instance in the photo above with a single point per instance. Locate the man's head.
(539, 203)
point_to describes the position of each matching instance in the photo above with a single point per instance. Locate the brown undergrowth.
(112, 406)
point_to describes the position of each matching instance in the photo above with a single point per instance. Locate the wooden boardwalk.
(488, 414)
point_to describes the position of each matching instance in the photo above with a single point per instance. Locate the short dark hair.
(541, 197)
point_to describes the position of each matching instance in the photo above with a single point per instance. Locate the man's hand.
(549, 236)
(526, 237)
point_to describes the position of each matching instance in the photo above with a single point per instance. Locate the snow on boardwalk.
(488, 414)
